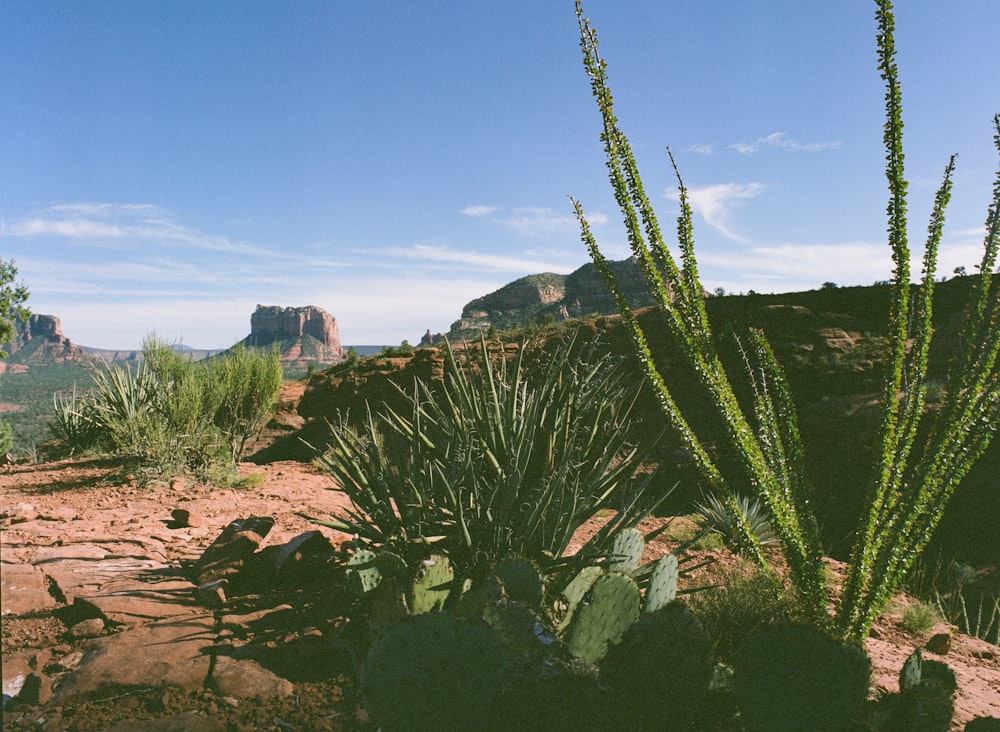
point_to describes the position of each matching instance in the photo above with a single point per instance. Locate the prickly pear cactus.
(788, 677)
(433, 672)
(569, 599)
(602, 616)
(431, 585)
(662, 583)
(665, 655)
(521, 580)
(626, 551)
(362, 573)
(387, 606)
(559, 697)
(910, 674)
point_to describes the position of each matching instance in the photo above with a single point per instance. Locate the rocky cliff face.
(304, 335)
(547, 297)
(40, 340)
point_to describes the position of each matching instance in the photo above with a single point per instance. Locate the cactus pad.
(662, 583)
(791, 677)
(521, 580)
(431, 585)
(665, 655)
(603, 616)
(362, 572)
(626, 551)
(574, 592)
(433, 672)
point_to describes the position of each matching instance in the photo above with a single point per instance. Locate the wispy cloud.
(781, 141)
(121, 225)
(479, 210)
(538, 222)
(477, 260)
(702, 149)
(715, 203)
(541, 222)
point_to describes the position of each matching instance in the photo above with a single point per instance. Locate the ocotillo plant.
(917, 469)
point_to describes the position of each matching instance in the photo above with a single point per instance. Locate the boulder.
(247, 679)
(226, 555)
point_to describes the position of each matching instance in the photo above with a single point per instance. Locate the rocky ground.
(147, 608)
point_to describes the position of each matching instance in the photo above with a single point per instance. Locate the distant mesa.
(547, 297)
(37, 341)
(303, 335)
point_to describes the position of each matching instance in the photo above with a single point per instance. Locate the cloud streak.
(476, 260)
(122, 226)
(715, 203)
(781, 141)
(537, 222)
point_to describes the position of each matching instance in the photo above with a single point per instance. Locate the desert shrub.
(919, 618)
(245, 386)
(793, 678)
(743, 600)
(960, 594)
(12, 298)
(170, 415)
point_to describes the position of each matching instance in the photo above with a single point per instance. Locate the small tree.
(12, 299)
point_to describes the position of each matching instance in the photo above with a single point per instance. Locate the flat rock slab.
(23, 589)
(139, 601)
(174, 652)
(86, 570)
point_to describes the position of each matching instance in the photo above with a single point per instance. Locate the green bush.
(744, 600)
(919, 618)
(170, 415)
(792, 678)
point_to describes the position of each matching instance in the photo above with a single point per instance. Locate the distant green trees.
(171, 415)
(12, 298)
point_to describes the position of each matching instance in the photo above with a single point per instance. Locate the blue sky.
(166, 166)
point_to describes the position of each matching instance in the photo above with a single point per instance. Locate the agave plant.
(716, 515)
(500, 459)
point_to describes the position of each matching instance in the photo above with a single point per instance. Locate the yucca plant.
(917, 469)
(501, 458)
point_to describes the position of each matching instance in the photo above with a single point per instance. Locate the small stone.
(184, 519)
(939, 643)
(89, 628)
(70, 661)
(177, 483)
(212, 594)
(21, 513)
